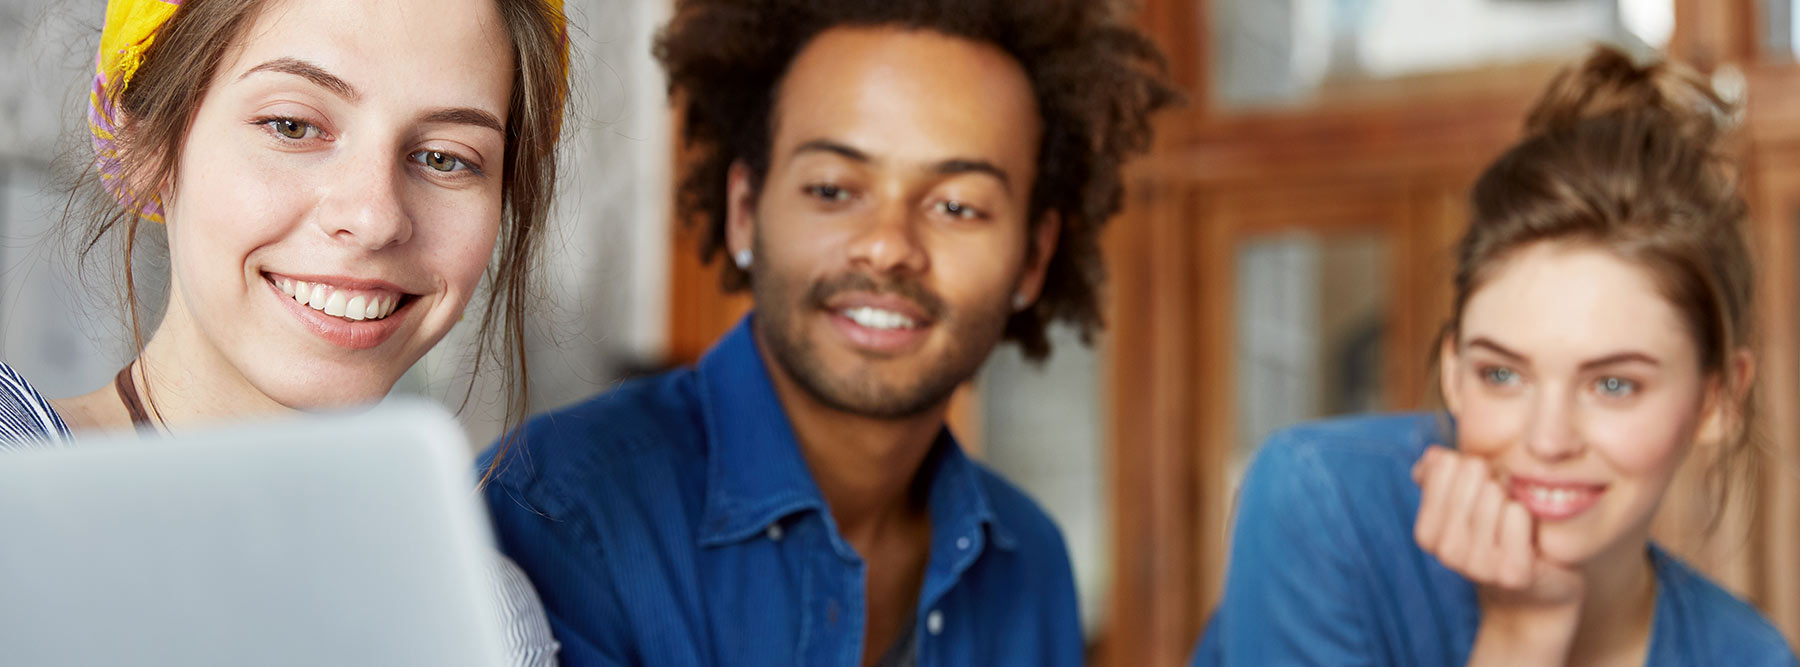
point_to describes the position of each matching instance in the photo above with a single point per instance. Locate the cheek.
(228, 202)
(1648, 439)
(459, 241)
(976, 266)
(1487, 425)
(798, 245)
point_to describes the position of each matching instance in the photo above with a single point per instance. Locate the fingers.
(1432, 454)
(1516, 553)
(1484, 555)
(1460, 540)
(1467, 521)
(1438, 472)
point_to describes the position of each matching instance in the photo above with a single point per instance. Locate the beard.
(782, 309)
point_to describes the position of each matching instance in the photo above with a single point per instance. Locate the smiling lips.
(878, 319)
(353, 305)
(881, 324)
(351, 314)
(1554, 500)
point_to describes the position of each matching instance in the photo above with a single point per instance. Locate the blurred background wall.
(1283, 257)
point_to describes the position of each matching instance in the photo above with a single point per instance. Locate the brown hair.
(1096, 81)
(1629, 158)
(157, 108)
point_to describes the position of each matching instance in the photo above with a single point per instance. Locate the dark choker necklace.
(129, 396)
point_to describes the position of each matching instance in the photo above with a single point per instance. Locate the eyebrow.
(1608, 360)
(950, 167)
(465, 116)
(310, 72)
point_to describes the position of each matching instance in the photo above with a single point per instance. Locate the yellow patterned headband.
(131, 27)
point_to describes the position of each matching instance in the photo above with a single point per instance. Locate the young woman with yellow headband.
(333, 177)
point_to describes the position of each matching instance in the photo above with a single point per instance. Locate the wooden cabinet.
(1386, 164)
(1390, 161)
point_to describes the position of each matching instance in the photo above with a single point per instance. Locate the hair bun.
(1610, 83)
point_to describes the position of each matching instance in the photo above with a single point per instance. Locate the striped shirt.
(27, 420)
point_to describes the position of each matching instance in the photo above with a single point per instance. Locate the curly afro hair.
(1097, 81)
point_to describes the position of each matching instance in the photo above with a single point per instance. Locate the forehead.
(1553, 300)
(910, 95)
(441, 52)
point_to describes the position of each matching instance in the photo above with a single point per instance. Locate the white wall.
(60, 335)
(606, 268)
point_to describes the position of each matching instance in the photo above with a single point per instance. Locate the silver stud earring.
(1020, 302)
(742, 259)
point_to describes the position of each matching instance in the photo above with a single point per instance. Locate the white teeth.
(334, 305)
(356, 309)
(875, 318)
(338, 303)
(1554, 496)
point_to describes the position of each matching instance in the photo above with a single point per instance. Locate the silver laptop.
(340, 540)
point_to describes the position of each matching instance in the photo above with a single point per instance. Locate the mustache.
(823, 291)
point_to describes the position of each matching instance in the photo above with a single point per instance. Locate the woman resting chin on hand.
(1530, 606)
(1598, 338)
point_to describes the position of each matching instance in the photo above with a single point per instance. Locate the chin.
(1577, 543)
(330, 394)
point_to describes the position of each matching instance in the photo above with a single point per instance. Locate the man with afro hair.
(901, 184)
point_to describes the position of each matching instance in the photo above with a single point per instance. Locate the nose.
(364, 205)
(889, 241)
(1551, 434)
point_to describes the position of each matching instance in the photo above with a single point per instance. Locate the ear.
(1037, 264)
(1722, 413)
(1449, 364)
(740, 212)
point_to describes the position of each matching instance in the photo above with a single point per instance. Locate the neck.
(183, 382)
(1619, 606)
(864, 466)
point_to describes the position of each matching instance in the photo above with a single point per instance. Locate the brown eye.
(291, 128)
(439, 161)
(959, 210)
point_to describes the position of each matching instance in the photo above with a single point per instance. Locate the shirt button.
(962, 543)
(934, 622)
(775, 532)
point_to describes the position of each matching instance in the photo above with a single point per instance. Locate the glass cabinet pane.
(1310, 316)
(1284, 52)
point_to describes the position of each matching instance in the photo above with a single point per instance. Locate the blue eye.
(1499, 376)
(1615, 387)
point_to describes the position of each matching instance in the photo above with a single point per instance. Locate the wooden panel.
(1152, 612)
(1776, 534)
(1712, 32)
(1215, 407)
(699, 311)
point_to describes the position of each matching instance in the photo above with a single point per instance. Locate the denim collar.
(755, 474)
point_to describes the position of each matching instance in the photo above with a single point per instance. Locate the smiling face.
(338, 195)
(890, 233)
(1583, 388)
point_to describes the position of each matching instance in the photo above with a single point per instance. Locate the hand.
(1530, 606)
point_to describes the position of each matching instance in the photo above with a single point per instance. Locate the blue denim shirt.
(1324, 569)
(672, 521)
